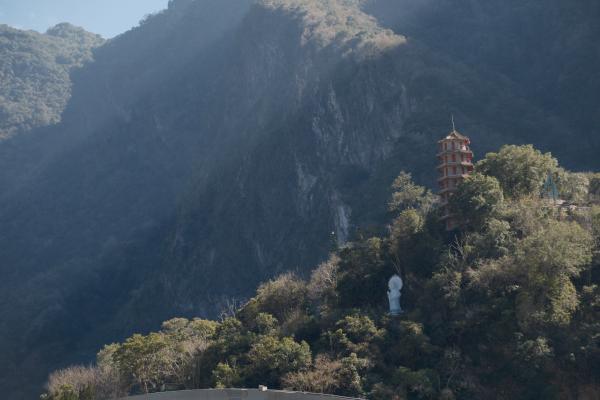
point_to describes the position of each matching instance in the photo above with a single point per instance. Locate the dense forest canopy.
(35, 69)
(506, 307)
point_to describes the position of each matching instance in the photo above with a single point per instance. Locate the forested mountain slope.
(506, 306)
(34, 74)
(220, 143)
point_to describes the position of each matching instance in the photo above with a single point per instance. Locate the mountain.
(504, 306)
(544, 48)
(220, 143)
(34, 74)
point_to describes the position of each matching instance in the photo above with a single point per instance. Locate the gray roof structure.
(236, 394)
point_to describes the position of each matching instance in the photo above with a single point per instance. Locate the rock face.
(542, 49)
(216, 145)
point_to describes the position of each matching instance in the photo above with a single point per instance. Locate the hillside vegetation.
(35, 85)
(506, 307)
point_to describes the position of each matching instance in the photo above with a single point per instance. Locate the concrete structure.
(455, 164)
(236, 394)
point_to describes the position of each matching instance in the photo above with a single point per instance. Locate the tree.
(595, 215)
(496, 239)
(66, 392)
(278, 297)
(521, 170)
(36, 84)
(502, 309)
(110, 386)
(323, 377)
(353, 334)
(408, 223)
(270, 358)
(351, 375)
(143, 361)
(421, 381)
(528, 215)
(408, 195)
(266, 324)
(363, 271)
(358, 328)
(546, 262)
(574, 187)
(224, 376)
(74, 383)
(477, 199)
(230, 341)
(323, 283)
(594, 189)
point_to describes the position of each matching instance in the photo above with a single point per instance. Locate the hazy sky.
(106, 17)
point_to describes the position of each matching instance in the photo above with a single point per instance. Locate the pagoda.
(455, 164)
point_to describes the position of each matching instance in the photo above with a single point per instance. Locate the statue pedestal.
(396, 313)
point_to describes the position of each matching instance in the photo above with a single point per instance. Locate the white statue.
(395, 284)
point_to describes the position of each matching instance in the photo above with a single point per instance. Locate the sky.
(105, 17)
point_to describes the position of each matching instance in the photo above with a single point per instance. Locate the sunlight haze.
(107, 17)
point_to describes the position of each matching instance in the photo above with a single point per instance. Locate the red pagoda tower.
(455, 164)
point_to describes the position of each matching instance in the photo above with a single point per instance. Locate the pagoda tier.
(456, 163)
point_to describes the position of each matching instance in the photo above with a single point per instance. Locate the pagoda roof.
(455, 135)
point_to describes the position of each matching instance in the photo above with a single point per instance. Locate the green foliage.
(404, 227)
(363, 270)
(343, 376)
(323, 377)
(351, 375)
(559, 249)
(142, 361)
(596, 221)
(478, 199)
(507, 304)
(270, 358)
(421, 382)
(407, 342)
(83, 383)
(224, 376)
(322, 287)
(340, 23)
(358, 328)
(548, 260)
(496, 239)
(408, 195)
(278, 297)
(34, 69)
(521, 170)
(266, 324)
(66, 392)
(535, 352)
(574, 187)
(182, 328)
(594, 189)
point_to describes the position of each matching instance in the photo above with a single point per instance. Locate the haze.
(105, 17)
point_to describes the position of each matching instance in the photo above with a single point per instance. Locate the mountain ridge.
(35, 74)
